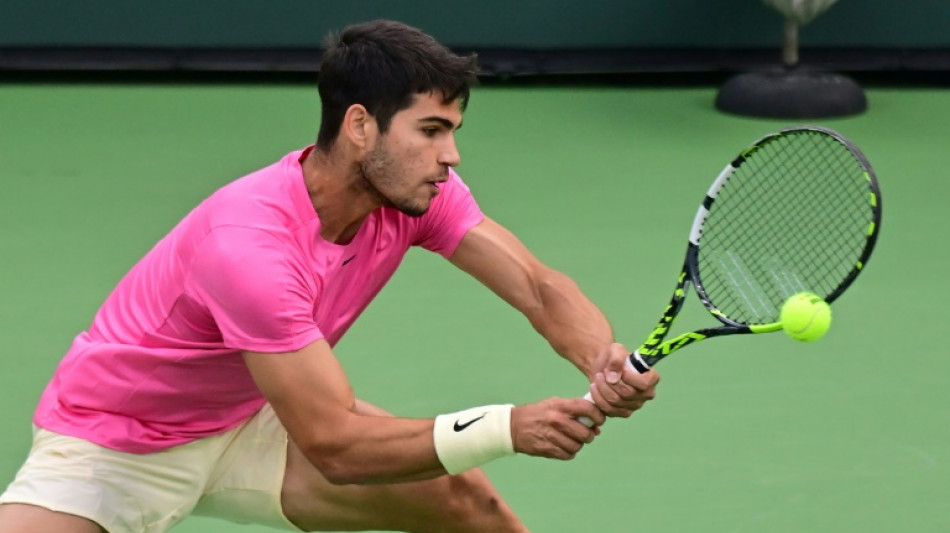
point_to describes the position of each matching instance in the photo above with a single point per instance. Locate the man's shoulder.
(264, 199)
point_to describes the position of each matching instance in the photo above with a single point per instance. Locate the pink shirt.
(245, 270)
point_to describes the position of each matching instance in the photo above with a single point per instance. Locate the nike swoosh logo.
(459, 427)
(348, 260)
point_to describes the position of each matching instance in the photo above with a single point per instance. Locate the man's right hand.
(550, 428)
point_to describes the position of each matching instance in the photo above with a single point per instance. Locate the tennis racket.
(799, 210)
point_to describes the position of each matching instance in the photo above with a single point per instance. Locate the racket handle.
(634, 363)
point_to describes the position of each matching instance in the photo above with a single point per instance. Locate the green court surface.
(850, 434)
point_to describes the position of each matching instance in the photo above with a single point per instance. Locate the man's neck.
(338, 194)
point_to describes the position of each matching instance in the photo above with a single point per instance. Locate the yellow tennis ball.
(806, 317)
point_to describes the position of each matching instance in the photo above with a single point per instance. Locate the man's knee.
(468, 495)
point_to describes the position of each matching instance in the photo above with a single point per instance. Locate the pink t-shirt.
(161, 364)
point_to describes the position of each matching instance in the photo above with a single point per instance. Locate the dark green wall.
(531, 24)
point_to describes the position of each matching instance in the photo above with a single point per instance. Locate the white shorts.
(235, 476)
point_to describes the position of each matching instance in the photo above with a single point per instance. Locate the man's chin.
(415, 213)
(414, 210)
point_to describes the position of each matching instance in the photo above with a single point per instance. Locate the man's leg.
(462, 503)
(22, 518)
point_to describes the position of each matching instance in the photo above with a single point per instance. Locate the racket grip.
(634, 363)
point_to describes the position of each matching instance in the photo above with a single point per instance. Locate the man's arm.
(558, 310)
(313, 399)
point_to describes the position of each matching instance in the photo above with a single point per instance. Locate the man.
(207, 382)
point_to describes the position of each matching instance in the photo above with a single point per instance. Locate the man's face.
(414, 154)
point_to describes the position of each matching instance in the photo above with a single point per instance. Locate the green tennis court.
(747, 435)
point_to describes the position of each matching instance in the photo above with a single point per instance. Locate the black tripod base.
(791, 93)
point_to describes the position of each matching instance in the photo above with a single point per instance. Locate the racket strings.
(794, 216)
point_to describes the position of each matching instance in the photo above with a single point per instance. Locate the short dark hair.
(382, 65)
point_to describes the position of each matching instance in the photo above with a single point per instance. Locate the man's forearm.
(571, 323)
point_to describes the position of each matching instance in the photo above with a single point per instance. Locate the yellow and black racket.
(799, 210)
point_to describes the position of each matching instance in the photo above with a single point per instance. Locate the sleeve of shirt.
(261, 297)
(452, 213)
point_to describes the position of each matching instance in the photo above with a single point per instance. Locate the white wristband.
(473, 437)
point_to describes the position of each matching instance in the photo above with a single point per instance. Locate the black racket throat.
(654, 348)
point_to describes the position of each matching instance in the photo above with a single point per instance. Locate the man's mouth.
(437, 181)
(442, 177)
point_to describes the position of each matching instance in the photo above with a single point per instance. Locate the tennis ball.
(806, 317)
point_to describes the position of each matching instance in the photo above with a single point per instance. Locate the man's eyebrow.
(448, 124)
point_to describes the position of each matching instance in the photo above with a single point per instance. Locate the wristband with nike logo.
(473, 437)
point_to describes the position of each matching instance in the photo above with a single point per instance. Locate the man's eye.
(430, 132)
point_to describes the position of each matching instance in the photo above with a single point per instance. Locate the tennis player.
(207, 384)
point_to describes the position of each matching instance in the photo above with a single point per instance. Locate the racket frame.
(654, 348)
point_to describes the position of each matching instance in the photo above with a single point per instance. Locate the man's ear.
(360, 127)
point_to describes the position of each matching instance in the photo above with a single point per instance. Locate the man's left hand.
(617, 389)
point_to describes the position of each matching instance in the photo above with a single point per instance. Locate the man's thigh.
(23, 518)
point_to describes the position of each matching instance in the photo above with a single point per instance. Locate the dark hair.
(382, 65)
